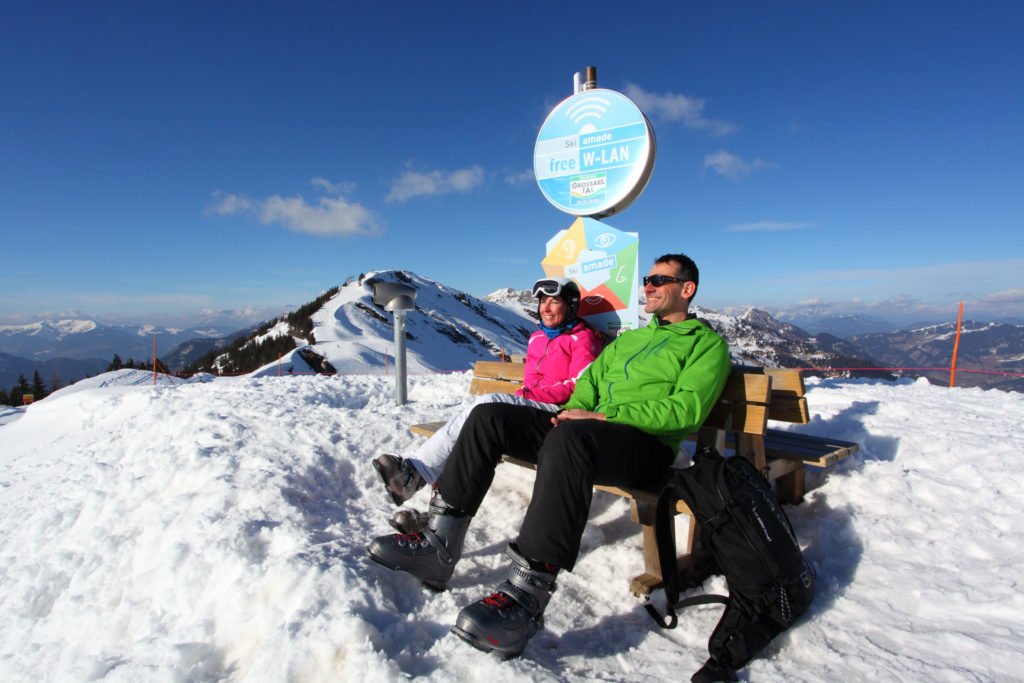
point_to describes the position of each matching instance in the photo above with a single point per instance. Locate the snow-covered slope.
(217, 531)
(448, 330)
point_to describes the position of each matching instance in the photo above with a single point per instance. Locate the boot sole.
(484, 646)
(432, 585)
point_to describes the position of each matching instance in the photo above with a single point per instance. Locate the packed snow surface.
(216, 530)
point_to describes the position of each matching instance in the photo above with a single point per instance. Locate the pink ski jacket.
(553, 365)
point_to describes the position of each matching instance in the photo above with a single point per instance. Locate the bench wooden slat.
(743, 405)
(811, 450)
(481, 385)
(493, 369)
(785, 381)
(749, 419)
(746, 388)
(789, 409)
(427, 429)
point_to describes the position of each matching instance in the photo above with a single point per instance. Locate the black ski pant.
(570, 459)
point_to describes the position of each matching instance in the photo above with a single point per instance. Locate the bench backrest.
(752, 395)
(496, 377)
(788, 402)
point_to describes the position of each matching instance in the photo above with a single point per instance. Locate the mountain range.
(984, 349)
(71, 349)
(448, 330)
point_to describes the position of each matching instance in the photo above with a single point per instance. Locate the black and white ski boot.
(430, 554)
(401, 479)
(409, 521)
(504, 622)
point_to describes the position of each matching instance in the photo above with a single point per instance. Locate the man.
(622, 426)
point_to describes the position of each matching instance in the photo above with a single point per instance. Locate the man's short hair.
(685, 267)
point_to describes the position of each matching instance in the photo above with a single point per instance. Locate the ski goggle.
(659, 280)
(548, 288)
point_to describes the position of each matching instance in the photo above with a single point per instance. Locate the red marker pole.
(956, 346)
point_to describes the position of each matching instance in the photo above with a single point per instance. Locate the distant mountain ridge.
(71, 349)
(88, 339)
(991, 347)
(450, 329)
(839, 325)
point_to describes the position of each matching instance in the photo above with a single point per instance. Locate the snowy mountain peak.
(66, 327)
(50, 329)
(447, 330)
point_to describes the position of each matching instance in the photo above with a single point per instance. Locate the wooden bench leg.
(643, 513)
(752, 448)
(789, 488)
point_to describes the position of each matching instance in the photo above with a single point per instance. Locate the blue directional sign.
(594, 153)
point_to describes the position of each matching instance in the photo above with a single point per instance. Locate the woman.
(556, 354)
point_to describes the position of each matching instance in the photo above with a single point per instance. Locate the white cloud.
(228, 204)
(336, 189)
(416, 184)
(675, 107)
(330, 216)
(922, 292)
(767, 226)
(522, 178)
(732, 166)
(1007, 296)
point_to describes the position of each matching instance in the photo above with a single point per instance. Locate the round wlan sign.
(594, 153)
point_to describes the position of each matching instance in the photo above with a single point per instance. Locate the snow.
(216, 530)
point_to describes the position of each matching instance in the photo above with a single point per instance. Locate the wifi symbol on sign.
(587, 108)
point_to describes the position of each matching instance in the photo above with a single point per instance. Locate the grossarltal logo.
(588, 187)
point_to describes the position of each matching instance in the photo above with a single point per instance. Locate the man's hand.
(575, 414)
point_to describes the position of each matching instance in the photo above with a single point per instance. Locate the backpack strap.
(667, 561)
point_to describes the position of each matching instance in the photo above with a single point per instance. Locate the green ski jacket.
(663, 379)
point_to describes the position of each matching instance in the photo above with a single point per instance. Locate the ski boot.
(431, 554)
(409, 521)
(400, 477)
(504, 621)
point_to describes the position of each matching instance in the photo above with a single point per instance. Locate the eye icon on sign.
(587, 108)
(604, 240)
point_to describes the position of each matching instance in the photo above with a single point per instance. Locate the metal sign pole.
(398, 300)
(400, 373)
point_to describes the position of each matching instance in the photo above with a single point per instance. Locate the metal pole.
(400, 394)
(591, 79)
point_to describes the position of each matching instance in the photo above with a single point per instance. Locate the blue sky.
(162, 158)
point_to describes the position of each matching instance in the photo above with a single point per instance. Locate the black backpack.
(751, 539)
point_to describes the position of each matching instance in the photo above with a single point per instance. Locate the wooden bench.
(738, 422)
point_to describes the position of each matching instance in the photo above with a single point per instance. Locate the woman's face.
(552, 311)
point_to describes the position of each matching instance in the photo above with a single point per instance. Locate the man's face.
(670, 301)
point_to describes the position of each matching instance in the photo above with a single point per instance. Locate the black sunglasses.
(659, 280)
